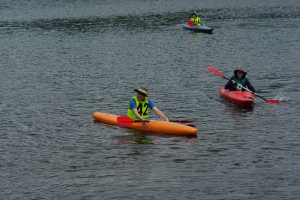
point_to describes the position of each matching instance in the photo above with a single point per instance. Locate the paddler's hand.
(233, 82)
(255, 93)
(145, 122)
(166, 119)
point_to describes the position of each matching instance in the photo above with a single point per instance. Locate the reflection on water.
(135, 137)
(138, 137)
(235, 108)
(238, 109)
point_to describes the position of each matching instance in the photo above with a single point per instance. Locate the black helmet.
(194, 13)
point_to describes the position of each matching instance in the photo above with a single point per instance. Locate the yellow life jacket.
(142, 108)
(197, 21)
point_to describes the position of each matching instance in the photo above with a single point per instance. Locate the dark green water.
(61, 61)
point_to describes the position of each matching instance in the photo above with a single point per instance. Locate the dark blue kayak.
(195, 28)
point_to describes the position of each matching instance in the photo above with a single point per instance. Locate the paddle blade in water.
(213, 70)
(125, 121)
(190, 22)
(273, 101)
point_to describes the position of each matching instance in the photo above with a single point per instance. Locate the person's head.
(141, 93)
(239, 72)
(194, 15)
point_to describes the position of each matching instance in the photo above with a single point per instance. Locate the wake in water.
(280, 97)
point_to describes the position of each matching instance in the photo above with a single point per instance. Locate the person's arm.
(138, 115)
(160, 114)
(156, 110)
(248, 84)
(132, 106)
(229, 84)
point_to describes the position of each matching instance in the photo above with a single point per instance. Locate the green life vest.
(142, 108)
(197, 21)
(237, 81)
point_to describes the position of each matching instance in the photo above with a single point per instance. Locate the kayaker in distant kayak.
(195, 20)
(140, 104)
(239, 77)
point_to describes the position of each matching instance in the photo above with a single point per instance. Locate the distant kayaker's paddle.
(127, 121)
(215, 71)
(190, 23)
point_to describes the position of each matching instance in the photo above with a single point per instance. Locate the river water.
(61, 61)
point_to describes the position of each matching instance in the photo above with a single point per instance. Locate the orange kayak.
(153, 125)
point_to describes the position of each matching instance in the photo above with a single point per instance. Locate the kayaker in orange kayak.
(239, 77)
(140, 104)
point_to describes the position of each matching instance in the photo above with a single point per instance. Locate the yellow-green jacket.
(142, 108)
(197, 21)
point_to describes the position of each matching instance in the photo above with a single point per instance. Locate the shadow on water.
(237, 109)
(138, 138)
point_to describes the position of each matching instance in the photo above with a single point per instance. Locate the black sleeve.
(248, 84)
(229, 84)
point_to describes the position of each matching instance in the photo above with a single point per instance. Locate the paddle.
(190, 23)
(127, 121)
(215, 71)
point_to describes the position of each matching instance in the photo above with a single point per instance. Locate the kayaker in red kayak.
(239, 77)
(140, 104)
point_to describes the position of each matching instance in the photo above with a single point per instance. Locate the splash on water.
(281, 97)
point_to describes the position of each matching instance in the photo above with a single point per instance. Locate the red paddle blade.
(273, 101)
(213, 70)
(190, 23)
(125, 121)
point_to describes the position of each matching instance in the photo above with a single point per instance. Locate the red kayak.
(244, 98)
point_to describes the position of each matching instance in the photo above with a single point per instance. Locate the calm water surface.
(62, 61)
